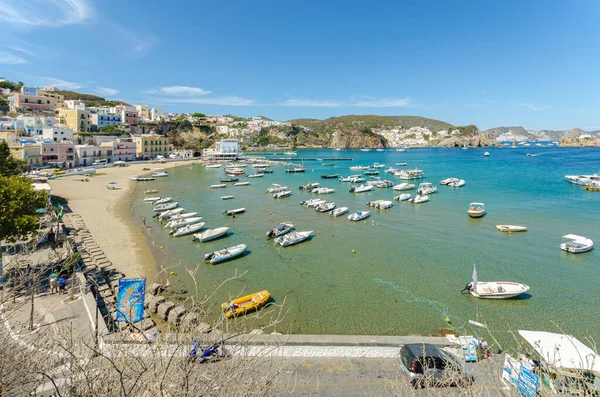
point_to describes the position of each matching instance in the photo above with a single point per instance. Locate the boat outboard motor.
(467, 288)
(270, 234)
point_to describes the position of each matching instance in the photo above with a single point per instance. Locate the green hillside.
(361, 122)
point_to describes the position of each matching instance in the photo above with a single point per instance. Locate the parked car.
(427, 365)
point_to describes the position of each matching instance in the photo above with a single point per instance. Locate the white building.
(35, 125)
(75, 104)
(143, 112)
(226, 149)
(222, 129)
(87, 154)
(157, 114)
(99, 109)
(58, 133)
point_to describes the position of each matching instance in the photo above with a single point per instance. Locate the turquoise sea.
(423, 254)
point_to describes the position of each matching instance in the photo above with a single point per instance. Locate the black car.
(427, 365)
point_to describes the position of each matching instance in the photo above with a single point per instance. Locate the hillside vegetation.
(358, 122)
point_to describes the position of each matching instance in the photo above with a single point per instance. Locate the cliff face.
(476, 140)
(183, 135)
(358, 140)
(575, 142)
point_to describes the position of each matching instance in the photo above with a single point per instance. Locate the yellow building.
(77, 120)
(151, 146)
(60, 99)
(9, 136)
(30, 153)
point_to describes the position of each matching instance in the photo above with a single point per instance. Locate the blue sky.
(489, 63)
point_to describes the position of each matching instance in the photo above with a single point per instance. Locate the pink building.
(61, 154)
(120, 151)
(32, 102)
(129, 114)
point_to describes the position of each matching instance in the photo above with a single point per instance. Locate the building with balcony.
(77, 120)
(34, 124)
(75, 104)
(143, 112)
(120, 151)
(27, 151)
(8, 136)
(157, 114)
(21, 102)
(150, 146)
(58, 133)
(61, 154)
(87, 154)
(128, 114)
(104, 120)
(226, 149)
(48, 92)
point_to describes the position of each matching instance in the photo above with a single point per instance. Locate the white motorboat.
(292, 238)
(426, 188)
(188, 229)
(359, 167)
(225, 254)
(404, 186)
(234, 171)
(325, 207)
(162, 200)
(359, 216)
(169, 213)
(141, 178)
(177, 223)
(217, 186)
(290, 153)
(235, 211)
(496, 289)
(150, 191)
(410, 175)
(576, 244)
(582, 179)
(259, 175)
(165, 207)
(227, 197)
(260, 165)
(378, 165)
(357, 179)
(312, 202)
(276, 188)
(180, 215)
(211, 234)
(280, 230)
(294, 170)
(309, 186)
(160, 174)
(380, 150)
(418, 199)
(212, 166)
(151, 199)
(361, 188)
(241, 184)
(400, 164)
(476, 210)
(511, 228)
(339, 211)
(448, 180)
(458, 183)
(322, 190)
(381, 204)
(283, 194)
(402, 197)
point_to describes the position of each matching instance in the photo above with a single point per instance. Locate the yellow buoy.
(448, 320)
(239, 230)
(161, 247)
(318, 232)
(354, 251)
(172, 273)
(227, 224)
(135, 205)
(509, 232)
(264, 245)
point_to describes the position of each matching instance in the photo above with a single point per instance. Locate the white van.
(100, 162)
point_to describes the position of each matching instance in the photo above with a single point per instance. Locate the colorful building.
(226, 149)
(20, 102)
(75, 104)
(150, 146)
(35, 124)
(77, 120)
(143, 112)
(87, 154)
(9, 136)
(27, 151)
(119, 151)
(104, 120)
(128, 114)
(58, 133)
(59, 153)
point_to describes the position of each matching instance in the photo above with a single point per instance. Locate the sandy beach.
(107, 214)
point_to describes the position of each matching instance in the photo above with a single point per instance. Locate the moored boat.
(402, 197)
(217, 186)
(160, 174)
(162, 200)
(241, 184)
(258, 175)
(283, 194)
(459, 183)
(169, 213)
(339, 211)
(575, 244)
(150, 191)
(418, 199)
(361, 188)
(188, 229)
(229, 179)
(322, 190)
(151, 199)
(309, 186)
(245, 304)
(404, 186)
(325, 207)
(179, 222)
(448, 180)
(312, 202)
(359, 216)
(294, 170)
(476, 210)
(280, 230)
(496, 289)
(211, 234)
(426, 188)
(292, 238)
(235, 211)
(329, 176)
(227, 197)
(511, 228)
(276, 188)
(165, 207)
(225, 254)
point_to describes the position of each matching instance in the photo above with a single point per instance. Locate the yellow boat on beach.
(592, 188)
(245, 304)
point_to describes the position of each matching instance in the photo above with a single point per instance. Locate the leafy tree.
(18, 205)
(9, 166)
(198, 114)
(9, 85)
(20, 83)
(109, 104)
(3, 102)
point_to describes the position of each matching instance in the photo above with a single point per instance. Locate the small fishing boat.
(402, 197)
(283, 194)
(234, 171)
(230, 179)
(357, 179)
(179, 222)
(259, 175)
(312, 202)
(400, 164)
(276, 188)
(458, 183)
(418, 199)
(339, 211)
(181, 215)
(325, 207)
(141, 178)
(309, 186)
(359, 216)
(378, 165)
(359, 167)
(260, 165)
(160, 174)
(235, 211)
(294, 170)
(151, 199)
(322, 190)
(169, 213)
(404, 186)
(496, 289)
(372, 172)
(280, 230)
(486, 154)
(292, 238)
(448, 180)
(151, 191)
(267, 171)
(383, 204)
(426, 188)
(476, 210)
(165, 207)
(210, 234)
(212, 166)
(290, 153)
(361, 188)
(410, 175)
(329, 176)
(383, 184)
(162, 200)
(241, 184)
(245, 304)
(217, 186)
(575, 244)
(225, 254)
(327, 164)
(226, 197)
(511, 228)
(189, 229)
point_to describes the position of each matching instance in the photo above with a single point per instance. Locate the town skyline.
(464, 63)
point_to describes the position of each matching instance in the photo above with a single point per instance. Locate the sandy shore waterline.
(108, 216)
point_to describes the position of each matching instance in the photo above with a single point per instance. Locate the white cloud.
(106, 91)
(23, 50)
(138, 43)
(65, 85)
(221, 101)
(11, 59)
(366, 102)
(184, 90)
(533, 107)
(47, 13)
